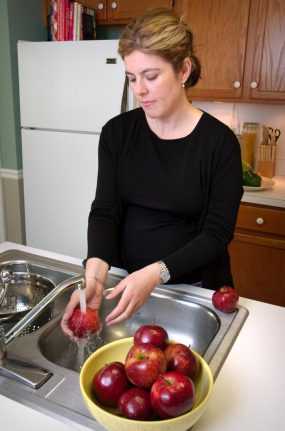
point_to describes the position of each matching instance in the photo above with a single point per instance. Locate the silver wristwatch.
(164, 273)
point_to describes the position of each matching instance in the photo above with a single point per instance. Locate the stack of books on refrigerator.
(70, 20)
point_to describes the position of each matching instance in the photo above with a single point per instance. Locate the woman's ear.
(186, 69)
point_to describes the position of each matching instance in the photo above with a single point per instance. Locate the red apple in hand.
(172, 394)
(109, 383)
(152, 334)
(144, 363)
(135, 404)
(180, 358)
(82, 324)
(225, 299)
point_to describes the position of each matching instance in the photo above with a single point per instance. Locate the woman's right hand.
(94, 286)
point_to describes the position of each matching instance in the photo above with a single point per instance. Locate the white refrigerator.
(68, 90)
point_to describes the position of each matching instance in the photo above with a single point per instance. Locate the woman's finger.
(121, 316)
(117, 290)
(119, 309)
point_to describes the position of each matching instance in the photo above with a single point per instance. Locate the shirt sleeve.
(104, 216)
(221, 204)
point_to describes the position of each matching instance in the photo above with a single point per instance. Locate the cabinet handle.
(236, 84)
(253, 84)
(114, 5)
(259, 220)
(100, 6)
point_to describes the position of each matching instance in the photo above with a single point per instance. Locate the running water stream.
(86, 346)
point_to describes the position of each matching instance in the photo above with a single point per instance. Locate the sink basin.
(189, 322)
(185, 311)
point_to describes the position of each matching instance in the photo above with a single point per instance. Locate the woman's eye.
(131, 79)
(151, 77)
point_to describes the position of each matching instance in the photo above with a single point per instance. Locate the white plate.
(266, 184)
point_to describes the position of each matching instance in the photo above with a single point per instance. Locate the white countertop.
(272, 197)
(249, 393)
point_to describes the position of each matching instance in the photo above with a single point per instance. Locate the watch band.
(164, 273)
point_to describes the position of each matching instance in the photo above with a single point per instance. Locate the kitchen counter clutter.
(272, 197)
(249, 393)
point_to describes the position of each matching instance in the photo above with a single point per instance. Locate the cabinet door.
(258, 267)
(101, 9)
(266, 50)
(220, 34)
(121, 11)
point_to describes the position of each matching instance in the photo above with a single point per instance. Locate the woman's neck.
(178, 124)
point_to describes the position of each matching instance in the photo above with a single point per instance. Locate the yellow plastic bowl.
(117, 351)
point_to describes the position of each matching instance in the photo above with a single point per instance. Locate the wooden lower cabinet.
(258, 253)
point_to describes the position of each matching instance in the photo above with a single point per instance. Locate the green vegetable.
(250, 178)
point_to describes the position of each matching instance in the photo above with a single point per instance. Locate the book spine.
(74, 20)
(61, 19)
(66, 19)
(71, 18)
(54, 20)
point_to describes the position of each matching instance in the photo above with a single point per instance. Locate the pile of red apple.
(155, 382)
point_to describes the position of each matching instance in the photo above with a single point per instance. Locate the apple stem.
(166, 381)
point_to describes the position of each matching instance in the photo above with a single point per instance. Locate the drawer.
(261, 219)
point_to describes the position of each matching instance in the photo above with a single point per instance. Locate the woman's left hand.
(136, 288)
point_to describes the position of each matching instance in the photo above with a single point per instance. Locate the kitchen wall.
(19, 20)
(234, 114)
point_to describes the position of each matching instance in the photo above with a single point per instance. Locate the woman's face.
(157, 87)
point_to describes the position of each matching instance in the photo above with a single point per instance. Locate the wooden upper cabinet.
(220, 35)
(110, 12)
(265, 69)
(101, 7)
(122, 11)
(241, 46)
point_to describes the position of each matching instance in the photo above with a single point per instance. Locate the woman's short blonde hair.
(161, 32)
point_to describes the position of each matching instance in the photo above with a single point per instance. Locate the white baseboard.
(11, 173)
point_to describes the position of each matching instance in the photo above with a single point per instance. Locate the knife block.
(265, 168)
(266, 160)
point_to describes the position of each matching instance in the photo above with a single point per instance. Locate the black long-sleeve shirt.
(174, 200)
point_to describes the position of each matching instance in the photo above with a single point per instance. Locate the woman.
(169, 181)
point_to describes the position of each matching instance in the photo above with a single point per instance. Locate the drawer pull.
(259, 220)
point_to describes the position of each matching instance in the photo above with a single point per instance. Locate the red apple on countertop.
(109, 383)
(225, 299)
(135, 404)
(82, 324)
(172, 394)
(143, 364)
(180, 358)
(152, 334)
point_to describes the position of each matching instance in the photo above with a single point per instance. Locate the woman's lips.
(147, 103)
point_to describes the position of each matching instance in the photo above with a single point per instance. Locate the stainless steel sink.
(185, 311)
(189, 322)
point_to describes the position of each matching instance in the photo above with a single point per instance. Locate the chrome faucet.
(28, 374)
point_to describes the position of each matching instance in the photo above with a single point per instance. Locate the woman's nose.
(140, 88)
